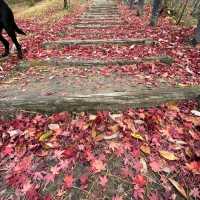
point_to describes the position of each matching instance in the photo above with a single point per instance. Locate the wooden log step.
(97, 26)
(95, 23)
(62, 43)
(102, 15)
(92, 102)
(91, 21)
(65, 62)
(111, 17)
(102, 11)
(97, 20)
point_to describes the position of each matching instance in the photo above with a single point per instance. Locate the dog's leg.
(18, 46)
(6, 45)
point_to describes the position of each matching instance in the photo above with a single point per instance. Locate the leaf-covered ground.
(138, 154)
(172, 41)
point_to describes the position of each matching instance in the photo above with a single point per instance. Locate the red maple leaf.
(84, 180)
(125, 172)
(117, 198)
(69, 152)
(68, 181)
(138, 193)
(103, 180)
(55, 170)
(155, 166)
(139, 180)
(7, 151)
(194, 167)
(98, 165)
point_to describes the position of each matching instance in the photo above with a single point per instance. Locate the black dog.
(7, 22)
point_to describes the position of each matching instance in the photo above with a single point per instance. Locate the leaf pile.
(116, 156)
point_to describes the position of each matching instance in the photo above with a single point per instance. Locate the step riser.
(63, 43)
(65, 63)
(115, 102)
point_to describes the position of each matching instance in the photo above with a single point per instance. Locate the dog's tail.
(18, 30)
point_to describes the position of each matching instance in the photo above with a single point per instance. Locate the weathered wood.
(94, 22)
(85, 23)
(102, 12)
(114, 101)
(62, 43)
(99, 19)
(101, 15)
(97, 26)
(64, 62)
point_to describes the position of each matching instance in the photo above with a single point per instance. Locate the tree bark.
(140, 8)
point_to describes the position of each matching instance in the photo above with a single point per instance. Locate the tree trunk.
(66, 4)
(140, 8)
(196, 38)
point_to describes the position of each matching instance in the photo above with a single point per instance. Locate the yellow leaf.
(45, 136)
(178, 187)
(168, 155)
(145, 149)
(137, 135)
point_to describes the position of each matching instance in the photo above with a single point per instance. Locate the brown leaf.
(168, 155)
(94, 133)
(145, 149)
(178, 187)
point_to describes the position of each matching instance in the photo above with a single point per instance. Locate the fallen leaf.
(111, 137)
(84, 180)
(137, 135)
(145, 149)
(99, 137)
(98, 166)
(114, 146)
(155, 166)
(54, 127)
(94, 133)
(103, 180)
(178, 187)
(139, 180)
(45, 136)
(193, 167)
(68, 181)
(168, 155)
(92, 117)
(8, 151)
(196, 113)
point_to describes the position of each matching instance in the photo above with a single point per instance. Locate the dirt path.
(51, 88)
(98, 63)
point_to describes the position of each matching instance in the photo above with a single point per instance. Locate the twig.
(82, 190)
(117, 177)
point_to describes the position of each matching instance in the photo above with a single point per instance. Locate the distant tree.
(140, 7)
(196, 14)
(66, 4)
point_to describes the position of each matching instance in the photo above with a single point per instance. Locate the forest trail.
(105, 59)
(100, 84)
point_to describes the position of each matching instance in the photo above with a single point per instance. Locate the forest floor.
(132, 130)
